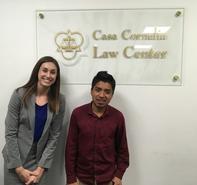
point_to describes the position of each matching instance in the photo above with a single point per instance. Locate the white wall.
(161, 120)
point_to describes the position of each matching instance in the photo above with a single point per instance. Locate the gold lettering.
(128, 51)
(94, 35)
(104, 54)
(151, 54)
(94, 52)
(128, 35)
(98, 35)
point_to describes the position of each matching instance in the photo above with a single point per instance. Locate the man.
(96, 149)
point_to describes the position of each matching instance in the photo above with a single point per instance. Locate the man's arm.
(71, 151)
(122, 149)
(116, 181)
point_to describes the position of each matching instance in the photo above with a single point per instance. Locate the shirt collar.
(107, 110)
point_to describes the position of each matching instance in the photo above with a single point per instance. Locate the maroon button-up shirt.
(96, 148)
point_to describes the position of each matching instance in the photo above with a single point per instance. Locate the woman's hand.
(23, 174)
(31, 180)
(37, 173)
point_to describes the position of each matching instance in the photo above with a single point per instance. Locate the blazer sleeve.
(54, 133)
(11, 150)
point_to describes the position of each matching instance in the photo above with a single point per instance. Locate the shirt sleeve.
(122, 149)
(71, 150)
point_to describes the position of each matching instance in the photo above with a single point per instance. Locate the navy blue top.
(40, 119)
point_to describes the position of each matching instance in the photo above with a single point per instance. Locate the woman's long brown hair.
(54, 91)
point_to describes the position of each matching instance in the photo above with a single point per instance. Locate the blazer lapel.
(48, 121)
(31, 113)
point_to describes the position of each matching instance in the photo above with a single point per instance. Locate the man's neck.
(99, 111)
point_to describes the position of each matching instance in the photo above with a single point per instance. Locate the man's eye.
(107, 92)
(97, 90)
(44, 70)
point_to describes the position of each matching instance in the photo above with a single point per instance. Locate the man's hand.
(75, 183)
(117, 181)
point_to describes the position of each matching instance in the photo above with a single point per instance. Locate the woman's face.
(47, 74)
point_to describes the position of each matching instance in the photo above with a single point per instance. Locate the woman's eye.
(53, 72)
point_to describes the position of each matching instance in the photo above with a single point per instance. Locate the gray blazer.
(19, 132)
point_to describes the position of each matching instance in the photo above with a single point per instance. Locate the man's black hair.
(104, 76)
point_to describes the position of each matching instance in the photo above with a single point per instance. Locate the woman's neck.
(42, 96)
(42, 91)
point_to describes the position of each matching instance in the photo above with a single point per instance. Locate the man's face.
(101, 94)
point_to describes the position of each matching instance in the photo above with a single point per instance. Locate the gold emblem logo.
(69, 44)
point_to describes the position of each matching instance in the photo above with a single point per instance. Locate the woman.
(32, 125)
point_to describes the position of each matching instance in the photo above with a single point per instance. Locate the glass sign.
(137, 46)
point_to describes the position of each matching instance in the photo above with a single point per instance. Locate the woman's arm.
(11, 150)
